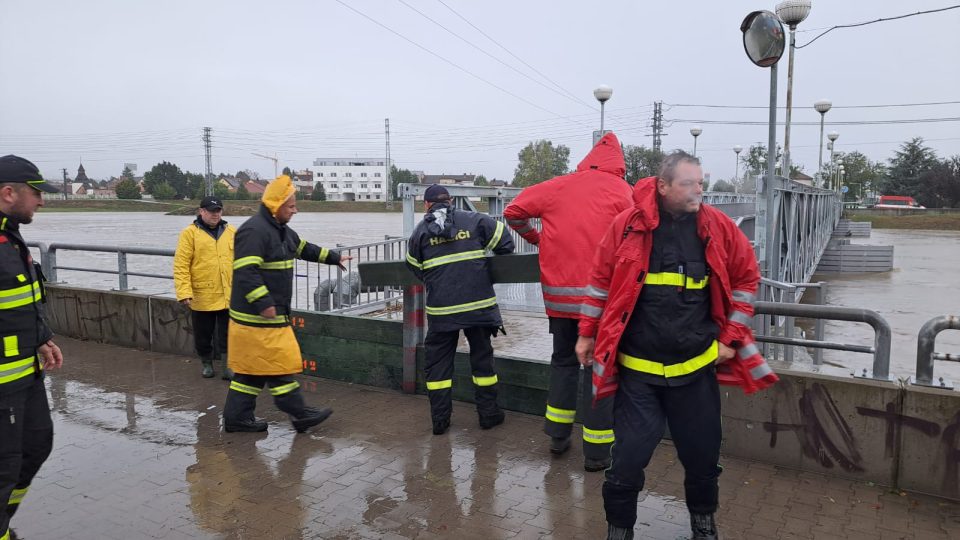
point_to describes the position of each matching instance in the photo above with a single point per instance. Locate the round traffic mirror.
(763, 38)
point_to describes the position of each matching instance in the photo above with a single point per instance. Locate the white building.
(352, 179)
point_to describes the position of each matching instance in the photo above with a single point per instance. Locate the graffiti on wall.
(825, 435)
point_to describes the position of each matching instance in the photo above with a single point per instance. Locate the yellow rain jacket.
(263, 277)
(203, 266)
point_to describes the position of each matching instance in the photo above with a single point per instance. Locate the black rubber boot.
(227, 373)
(618, 533)
(207, 372)
(440, 426)
(248, 426)
(494, 420)
(559, 445)
(310, 417)
(596, 465)
(703, 526)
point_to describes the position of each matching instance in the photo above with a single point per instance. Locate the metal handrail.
(926, 339)
(48, 260)
(881, 328)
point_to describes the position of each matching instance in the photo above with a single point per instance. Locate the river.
(924, 283)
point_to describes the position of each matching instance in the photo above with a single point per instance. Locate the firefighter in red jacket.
(567, 243)
(672, 287)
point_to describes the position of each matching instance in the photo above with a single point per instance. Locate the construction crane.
(275, 161)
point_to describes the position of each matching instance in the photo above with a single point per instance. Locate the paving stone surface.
(140, 454)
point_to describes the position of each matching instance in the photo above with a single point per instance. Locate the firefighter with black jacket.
(447, 251)
(26, 430)
(261, 347)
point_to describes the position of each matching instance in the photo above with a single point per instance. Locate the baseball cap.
(15, 169)
(211, 203)
(435, 193)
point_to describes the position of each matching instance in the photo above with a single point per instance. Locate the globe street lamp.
(695, 131)
(822, 107)
(602, 93)
(833, 136)
(792, 12)
(736, 170)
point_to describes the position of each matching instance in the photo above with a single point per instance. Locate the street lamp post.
(602, 93)
(792, 12)
(822, 107)
(695, 131)
(736, 168)
(833, 136)
(840, 181)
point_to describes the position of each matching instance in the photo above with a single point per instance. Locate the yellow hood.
(277, 193)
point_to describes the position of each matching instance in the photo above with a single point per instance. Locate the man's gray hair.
(668, 166)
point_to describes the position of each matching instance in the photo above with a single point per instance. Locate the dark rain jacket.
(264, 251)
(22, 325)
(448, 252)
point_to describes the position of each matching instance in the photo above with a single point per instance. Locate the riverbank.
(929, 221)
(231, 208)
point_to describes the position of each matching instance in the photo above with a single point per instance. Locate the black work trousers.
(210, 333)
(26, 439)
(244, 389)
(440, 349)
(565, 382)
(639, 413)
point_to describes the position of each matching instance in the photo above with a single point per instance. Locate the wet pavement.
(139, 454)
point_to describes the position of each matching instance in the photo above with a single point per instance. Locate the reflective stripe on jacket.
(621, 265)
(203, 267)
(264, 252)
(22, 325)
(453, 266)
(575, 211)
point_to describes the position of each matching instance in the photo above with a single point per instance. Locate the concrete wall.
(888, 433)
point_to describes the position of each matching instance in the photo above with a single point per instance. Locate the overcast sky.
(117, 81)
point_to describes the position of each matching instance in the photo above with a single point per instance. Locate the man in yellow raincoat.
(202, 273)
(261, 347)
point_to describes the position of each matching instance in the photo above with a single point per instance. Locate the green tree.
(169, 174)
(127, 189)
(164, 192)
(196, 184)
(222, 191)
(481, 180)
(723, 185)
(127, 173)
(754, 161)
(907, 166)
(859, 173)
(540, 161)
(319, 194)
(641, 162)
(400, 176)
(940, 186)
(243, 194)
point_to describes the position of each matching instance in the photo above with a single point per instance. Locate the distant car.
(899, 202)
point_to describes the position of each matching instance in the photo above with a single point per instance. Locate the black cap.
(436, 193)
(18, 170)
(211, 203)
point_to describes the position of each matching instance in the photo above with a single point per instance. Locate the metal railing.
(307, 276)
(48, 260)
(881, 329)
(926, 339)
